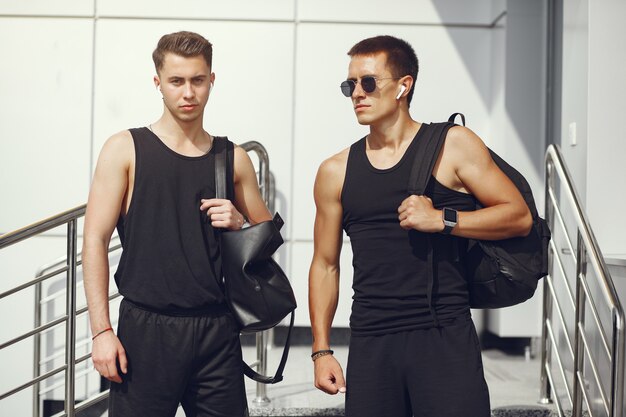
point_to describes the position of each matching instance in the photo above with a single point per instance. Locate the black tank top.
(390, 264)
(170, 259)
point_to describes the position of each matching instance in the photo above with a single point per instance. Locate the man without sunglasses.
(413, 348)
(176, 341)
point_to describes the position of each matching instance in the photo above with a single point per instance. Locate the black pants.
(193, 361)
(434, 372)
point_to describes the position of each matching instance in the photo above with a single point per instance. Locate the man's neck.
(385, 135)
(178, 132)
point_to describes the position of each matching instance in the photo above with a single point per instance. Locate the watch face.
(449, 215)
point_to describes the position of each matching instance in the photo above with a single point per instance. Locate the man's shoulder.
(464, 139)
(336, 162)
(121, 139)
(120, 143)
(463, 147)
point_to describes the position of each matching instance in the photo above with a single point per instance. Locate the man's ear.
(157, 82)
(408, 82)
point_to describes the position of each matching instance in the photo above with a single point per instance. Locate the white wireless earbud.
(402, 90)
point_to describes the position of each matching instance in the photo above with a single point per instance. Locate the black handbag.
(257, 290)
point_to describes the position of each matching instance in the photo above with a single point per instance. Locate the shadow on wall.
(521, 61)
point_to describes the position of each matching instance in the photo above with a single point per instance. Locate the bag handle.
(220, 192)
(278, 375)
(454, 115)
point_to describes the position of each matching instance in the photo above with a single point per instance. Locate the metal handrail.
(41, 226)
(69, 266)
(584, 357)
(70, 219)
(51, 270)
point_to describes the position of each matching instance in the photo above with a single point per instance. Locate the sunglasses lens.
(368, 84)
(347, 87)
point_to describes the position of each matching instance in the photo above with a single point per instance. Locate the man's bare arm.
(248, 197)
(106, 196)
(324, 271)
(248, 202)
(466, 165)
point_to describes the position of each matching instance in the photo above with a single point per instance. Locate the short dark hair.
(401, 58)
(185, 44)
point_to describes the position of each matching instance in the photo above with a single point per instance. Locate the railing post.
(267, 193)
(545, 390)
(37, 351)
(579, 349)
(70, 328)
(617, 378)
(261, 354)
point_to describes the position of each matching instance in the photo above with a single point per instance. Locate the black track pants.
(193, 361)
(434, 372)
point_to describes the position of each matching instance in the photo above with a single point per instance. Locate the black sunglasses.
(368, 84)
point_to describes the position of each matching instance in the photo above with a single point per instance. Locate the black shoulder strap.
(220, 166)
(428, 149)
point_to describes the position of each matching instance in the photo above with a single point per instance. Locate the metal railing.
(69, 218)
(582, 360)
(52, 270)
(68, 266)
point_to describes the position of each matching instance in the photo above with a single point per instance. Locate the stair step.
(510, 411)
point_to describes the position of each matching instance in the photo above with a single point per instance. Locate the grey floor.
(513, 381)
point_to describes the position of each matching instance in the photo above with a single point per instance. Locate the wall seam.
(93, 93)
(293, 137)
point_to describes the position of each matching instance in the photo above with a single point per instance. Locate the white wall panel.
(45, 123)
(522, 320)
(47, 7)
(302, 253)
(454, 77)
(606, 195)
(575, 80)
(195, 9)
(251, 99)
(398, 11)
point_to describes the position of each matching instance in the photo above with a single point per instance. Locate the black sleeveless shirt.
(390, 264)
(170, 258)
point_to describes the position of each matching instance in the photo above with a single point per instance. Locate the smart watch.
(450, 218)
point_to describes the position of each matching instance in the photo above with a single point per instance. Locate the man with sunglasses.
(413, 348)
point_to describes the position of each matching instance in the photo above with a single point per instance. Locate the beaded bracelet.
(100, 332)
(320, 353)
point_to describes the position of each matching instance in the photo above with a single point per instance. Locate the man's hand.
(222, 213)
(417, 212)
(106, 353)
(328, 375)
